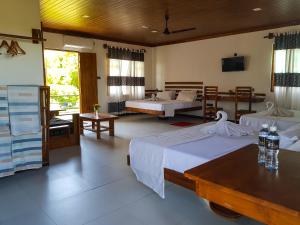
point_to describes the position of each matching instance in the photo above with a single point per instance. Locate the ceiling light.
(256, 9)
(154, 31)
(85, 16)
(145, 27)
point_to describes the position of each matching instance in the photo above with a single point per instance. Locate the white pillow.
(294, 147)
(165, 95)
(190, 96)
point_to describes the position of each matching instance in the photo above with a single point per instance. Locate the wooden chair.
(210, 104)
(243, 94)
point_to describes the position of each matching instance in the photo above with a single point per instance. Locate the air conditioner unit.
(78, 43)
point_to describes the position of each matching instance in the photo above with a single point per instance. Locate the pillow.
(189, 96)
(166, 95)
(294, 147)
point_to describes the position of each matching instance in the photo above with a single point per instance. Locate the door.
(88, 82)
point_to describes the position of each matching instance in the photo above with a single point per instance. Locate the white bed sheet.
(255, 120)
(169, 106)
(178, 150)
(189, 155)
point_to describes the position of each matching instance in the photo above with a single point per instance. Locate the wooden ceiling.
(122, 20)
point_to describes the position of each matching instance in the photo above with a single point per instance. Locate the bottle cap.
(265, 125)
(273, 128)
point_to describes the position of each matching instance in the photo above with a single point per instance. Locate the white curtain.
(126, 68)
(287, 72)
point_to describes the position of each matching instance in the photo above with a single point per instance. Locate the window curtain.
(287, 70)
(126, 79)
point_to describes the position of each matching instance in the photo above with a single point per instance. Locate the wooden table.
(95, 123)
(236, 182)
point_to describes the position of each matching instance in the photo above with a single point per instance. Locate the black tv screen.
(233, 64)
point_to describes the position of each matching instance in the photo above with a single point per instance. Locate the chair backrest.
(211, 93)
(243, 94)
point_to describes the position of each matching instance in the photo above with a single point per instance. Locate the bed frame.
(177, 87)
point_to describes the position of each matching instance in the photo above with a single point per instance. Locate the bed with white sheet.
(255, 120)
(179, 151)
(162, 107)
(177, 97)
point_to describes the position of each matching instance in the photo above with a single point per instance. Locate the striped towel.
(27, 151)
(24, 111)
(6, 165)
(4, 118)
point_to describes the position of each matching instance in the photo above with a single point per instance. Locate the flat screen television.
(233, 64)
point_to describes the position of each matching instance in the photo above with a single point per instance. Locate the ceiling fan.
(168, 32)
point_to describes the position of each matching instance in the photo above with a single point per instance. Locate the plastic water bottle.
(262, 143)
(272, 149)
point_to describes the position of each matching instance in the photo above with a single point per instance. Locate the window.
(286, 70)
(126, 77)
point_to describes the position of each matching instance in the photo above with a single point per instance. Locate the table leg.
(98, 130)
(81, 126)
(111, 128)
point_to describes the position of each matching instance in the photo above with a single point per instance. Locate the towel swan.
(227, 128)
(275, 110)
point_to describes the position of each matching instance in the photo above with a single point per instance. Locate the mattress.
(178, 150)
(169, 106)
(255, 120)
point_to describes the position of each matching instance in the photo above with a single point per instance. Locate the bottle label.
(273, 144)
(262, 141)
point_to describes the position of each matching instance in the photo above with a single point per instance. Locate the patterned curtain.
(287, 70)
(126, 80)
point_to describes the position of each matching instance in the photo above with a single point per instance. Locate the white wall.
(201, 61)
(19, 17)
(56, 41)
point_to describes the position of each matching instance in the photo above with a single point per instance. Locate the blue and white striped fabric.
(27, 151)
(4, 118)
(24, 111)
(6, 165)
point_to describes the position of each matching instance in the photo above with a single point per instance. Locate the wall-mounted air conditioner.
(78, 43)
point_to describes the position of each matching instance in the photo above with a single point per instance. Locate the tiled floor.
(92, 185)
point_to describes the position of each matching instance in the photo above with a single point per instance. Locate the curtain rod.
(270, 36)
(105, 46)
(33, 38)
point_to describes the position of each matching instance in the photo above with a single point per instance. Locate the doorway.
(62, 75)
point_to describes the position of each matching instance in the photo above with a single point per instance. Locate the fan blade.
(183, 30)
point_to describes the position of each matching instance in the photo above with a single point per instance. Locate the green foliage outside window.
(62, 75)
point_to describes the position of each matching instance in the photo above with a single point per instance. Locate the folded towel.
(274, 110)
(6, 165)
(27, 151)
(4, 118)
(24, 109)
(227, 128)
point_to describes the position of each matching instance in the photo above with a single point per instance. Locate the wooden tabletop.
(101, 116)
(239, 173)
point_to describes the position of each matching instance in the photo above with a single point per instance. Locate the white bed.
(178, 150)
(255, 120)
(166, 107)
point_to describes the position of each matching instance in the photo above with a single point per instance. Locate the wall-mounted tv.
(233, 64)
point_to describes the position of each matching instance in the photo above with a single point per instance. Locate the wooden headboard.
(185, 86)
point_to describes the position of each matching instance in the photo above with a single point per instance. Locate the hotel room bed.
(169, 108)
(166, 156)
(255, 120)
